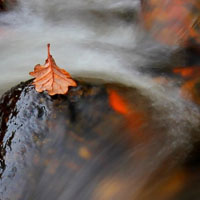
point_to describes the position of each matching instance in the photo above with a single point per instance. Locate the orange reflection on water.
(134, 117)
(190, 88)
(118, 103)
(186, 72)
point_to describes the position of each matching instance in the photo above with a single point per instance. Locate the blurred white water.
(88, 38)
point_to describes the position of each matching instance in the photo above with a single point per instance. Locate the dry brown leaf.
(49, 77)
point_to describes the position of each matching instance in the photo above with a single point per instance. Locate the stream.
(99, 39)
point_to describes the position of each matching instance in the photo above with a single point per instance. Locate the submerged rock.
(100, 141)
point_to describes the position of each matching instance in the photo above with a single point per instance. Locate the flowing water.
(86, 37)
(99, 39)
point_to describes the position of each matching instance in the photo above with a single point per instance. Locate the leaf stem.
(50, 63)
(48, 50)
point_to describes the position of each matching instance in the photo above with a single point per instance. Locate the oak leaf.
(49, 77)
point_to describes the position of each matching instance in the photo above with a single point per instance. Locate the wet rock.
(42, 135)
(63, 141)
(96, 142)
